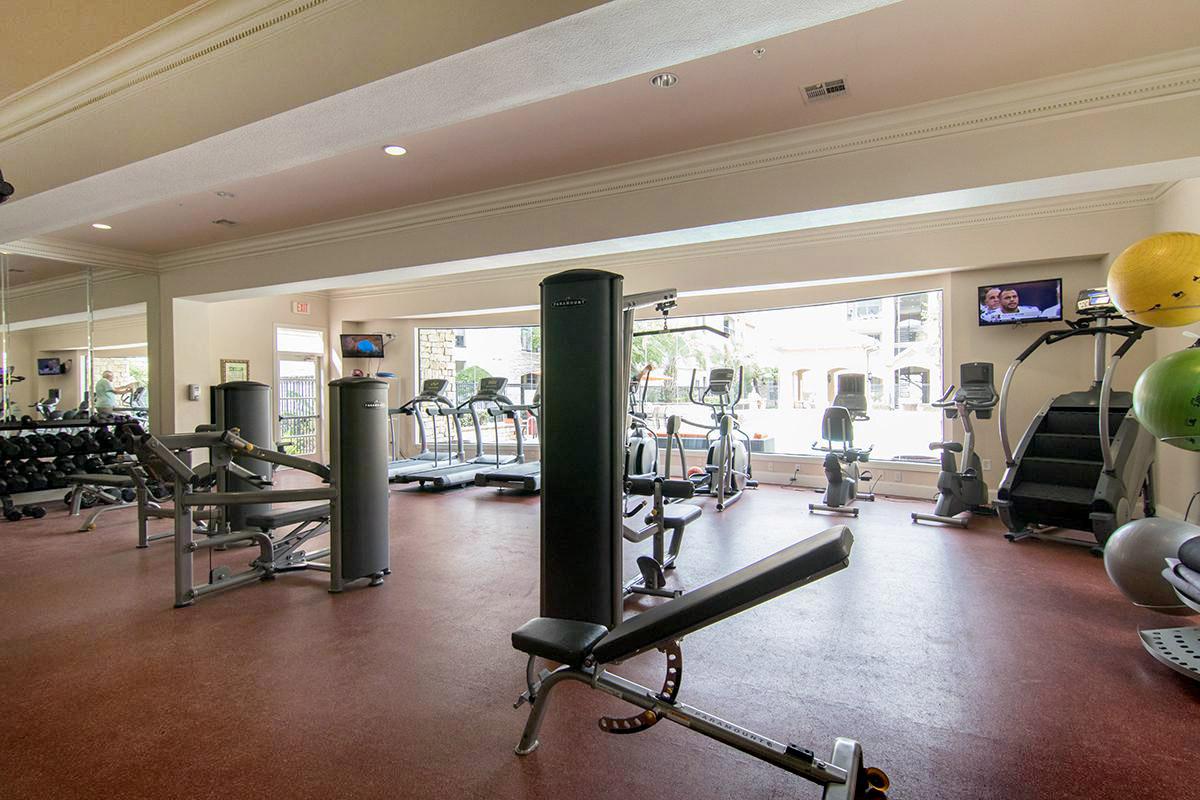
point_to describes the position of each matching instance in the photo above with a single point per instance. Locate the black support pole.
(581, 446)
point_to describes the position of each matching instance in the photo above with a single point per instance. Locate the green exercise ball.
(1135, 556)
(1166, 399)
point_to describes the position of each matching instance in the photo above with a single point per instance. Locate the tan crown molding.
(1095, 202)
(1134, 82)
(88, 255)
(201, 30)
(53, 286)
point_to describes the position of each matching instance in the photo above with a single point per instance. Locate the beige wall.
(205, 333)
(1178, 470)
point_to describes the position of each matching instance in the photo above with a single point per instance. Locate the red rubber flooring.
(967, 666)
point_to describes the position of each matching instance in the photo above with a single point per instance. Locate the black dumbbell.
(90, 445)
(36, 512)
(24, 447)
(8, 448)
(16, 483)
(106, 440)
(62, 445)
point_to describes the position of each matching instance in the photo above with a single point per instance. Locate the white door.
(298, 387)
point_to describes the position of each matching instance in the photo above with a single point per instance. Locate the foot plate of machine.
(1178, 648)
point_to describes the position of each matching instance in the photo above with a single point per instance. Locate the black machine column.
(245, 405)
(582, 377)
(358, 438)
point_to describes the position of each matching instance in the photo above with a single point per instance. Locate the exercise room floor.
(967, 666)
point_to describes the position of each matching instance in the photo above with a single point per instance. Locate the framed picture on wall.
(234, 369)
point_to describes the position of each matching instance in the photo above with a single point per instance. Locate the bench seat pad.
(567, 641)
(280, 519)
(801, 563)
(100, 479)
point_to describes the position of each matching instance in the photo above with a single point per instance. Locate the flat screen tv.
(51, 366)
(1020, 301)
(362, 345)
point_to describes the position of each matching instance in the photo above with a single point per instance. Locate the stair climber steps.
(1071, 445)
(1054, 505)
(1080, 422)
(1063, 472)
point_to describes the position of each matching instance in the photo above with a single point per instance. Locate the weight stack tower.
(245, 405)
(582, 366)
(358, 438)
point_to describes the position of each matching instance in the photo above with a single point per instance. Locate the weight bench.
(111, 492)
(584, 648)
(281, 519)
(663, 517)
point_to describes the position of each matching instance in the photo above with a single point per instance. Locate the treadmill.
(521, 476)
(490, 394)
(432, 394)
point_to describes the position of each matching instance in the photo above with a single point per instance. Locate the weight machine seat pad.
(281, 519)
(100, 479)
(567, 641)
(1189, 553)
(794, 566)
(676, 516)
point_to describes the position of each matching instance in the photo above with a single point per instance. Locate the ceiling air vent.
(818, 91)
(226, 222)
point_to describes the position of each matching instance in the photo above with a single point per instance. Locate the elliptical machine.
(959, 492)
(727, 470)
(842, 473)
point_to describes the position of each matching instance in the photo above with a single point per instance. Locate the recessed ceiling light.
(100, 226)
(664, 80)
(394, 150)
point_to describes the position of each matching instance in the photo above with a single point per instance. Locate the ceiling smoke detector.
(226, 222)
(819, 91)
(664, 80)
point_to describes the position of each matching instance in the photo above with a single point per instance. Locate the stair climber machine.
(727, 469)
(489, 394)
(521, 475)
(433, 395)
(965, 490)
(842, 473)
(1084, 458)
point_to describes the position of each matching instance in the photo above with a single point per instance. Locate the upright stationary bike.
(965, 490)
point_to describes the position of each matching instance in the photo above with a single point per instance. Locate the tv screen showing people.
(1026, 301)
(50, 366)
(362, 345)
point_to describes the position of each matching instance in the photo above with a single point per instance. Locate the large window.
(791, 359)
(463, 357)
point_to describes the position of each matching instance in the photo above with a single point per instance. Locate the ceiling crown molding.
(88, 255)
(199, 31)
(1094, 202)
(1145, 80)
(53, 286)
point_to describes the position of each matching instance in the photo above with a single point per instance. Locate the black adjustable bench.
(583, 648)
(273, 520)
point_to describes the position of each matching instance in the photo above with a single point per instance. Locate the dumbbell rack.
(41, 448)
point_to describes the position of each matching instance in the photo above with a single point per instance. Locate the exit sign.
(300, 307)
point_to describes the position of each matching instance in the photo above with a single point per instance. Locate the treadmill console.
(1096, 303)
(432, 387)
(490, 387)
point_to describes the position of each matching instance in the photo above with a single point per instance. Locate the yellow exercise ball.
(1156, 281)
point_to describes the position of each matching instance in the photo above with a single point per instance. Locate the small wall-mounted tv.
(1011, 303)
(51, 366)
(362, 345)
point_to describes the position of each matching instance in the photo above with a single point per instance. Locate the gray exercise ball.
(1134, 559)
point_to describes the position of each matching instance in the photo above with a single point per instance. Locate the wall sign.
(301, 307)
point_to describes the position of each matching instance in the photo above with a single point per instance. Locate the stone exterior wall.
(436, 357)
